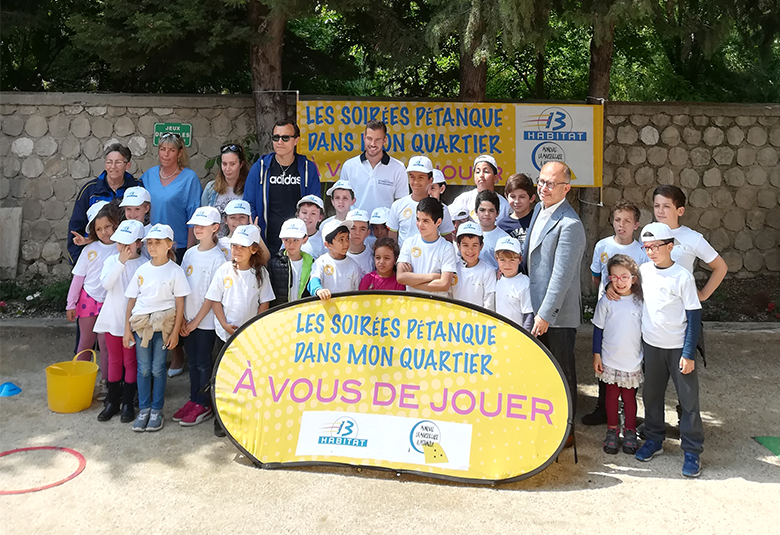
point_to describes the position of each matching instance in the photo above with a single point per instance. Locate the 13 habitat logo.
(342, 432)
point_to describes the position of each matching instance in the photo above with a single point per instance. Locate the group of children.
(646, 325)
(129, 293)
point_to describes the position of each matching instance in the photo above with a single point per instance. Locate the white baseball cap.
(358, 215)
(93, 210)
(245, 235)
(135, 196)
(333, 224)
(508, 243)
(469, 228)
(379, 215)
(205, 216)
(293, 228)
(159, 232)
(311, 199)
(656, 231)
(340, 184)
(438, 177)
(129, 231)
(486, 158)
(456, 214)
(238, 206)
(420, 164)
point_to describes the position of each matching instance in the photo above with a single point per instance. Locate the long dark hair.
(259, 259)
(220, 184)
(112, 212)
(632, 267)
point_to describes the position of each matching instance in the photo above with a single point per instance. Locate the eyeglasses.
(654, 248)
(169, 134)
(549, 184)
(231, 147)
(277, 137)
(115, 163)
(622, 278)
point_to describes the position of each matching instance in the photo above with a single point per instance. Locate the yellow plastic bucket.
(70, 385)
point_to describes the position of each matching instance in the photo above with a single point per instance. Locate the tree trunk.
(539, 79)
(601, 45)
(266, 64)
(473, 78)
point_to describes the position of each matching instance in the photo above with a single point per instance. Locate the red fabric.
(373, 281)
(119, 358)
(629, 406)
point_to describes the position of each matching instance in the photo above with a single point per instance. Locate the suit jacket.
(554, 266)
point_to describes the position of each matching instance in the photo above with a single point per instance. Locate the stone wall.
(725, 158)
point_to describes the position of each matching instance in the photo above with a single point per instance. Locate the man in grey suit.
(552, 255)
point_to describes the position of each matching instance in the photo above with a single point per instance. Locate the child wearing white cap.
(237, 213)
(291, 267)
(359, 251)
(485, 177)
(487, 206)
(513, 289)
(115, 276)
(378, 222)
(335, 271)
(200, 263)
(402, 218)
(475, 280)
(241, 289)
(311, 210)
(86, 293)
(342, 197)
(137, 204)
(153, 320)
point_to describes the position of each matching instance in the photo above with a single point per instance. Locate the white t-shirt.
(513, 297)
(315, 246)
(375, 186)
(90, 265)
(467, 199)
(297, 268)
(239, 293)
(475, 285)
(337, 275)
(606, 249)
(689, 246)
(488, 252)
(224, 246)
(668, 294)
(621, 346)
(199, 267)
(155, 288)
(402, 219)
(115, 277)
(365, 260)
(428, 257)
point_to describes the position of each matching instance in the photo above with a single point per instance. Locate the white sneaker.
(156, 421)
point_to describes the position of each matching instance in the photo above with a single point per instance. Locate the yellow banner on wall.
(522, 137)
(381, 379)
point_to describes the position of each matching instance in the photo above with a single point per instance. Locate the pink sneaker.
(198, 414)
(184, 411)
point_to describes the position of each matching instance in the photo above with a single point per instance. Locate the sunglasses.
(231, 147)
(277, 137)
(169, 134)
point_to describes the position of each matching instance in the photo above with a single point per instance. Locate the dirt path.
(184, 480)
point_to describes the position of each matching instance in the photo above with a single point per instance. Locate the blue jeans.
(151, 362)
(199, 345)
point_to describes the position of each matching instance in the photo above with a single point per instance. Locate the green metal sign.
(184, 130)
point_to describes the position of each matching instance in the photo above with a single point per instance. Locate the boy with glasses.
(671, 318)
(277, 181)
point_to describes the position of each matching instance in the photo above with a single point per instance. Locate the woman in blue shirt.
(175, 190)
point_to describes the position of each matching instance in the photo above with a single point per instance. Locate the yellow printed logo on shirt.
(604, 257)
(228, 282)
(407, 213)
(140, 280)
(188, 271)
(416, 252)
(328, 269)
(92, 255)
(454, 279)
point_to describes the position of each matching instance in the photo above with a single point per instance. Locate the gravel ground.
(184, 480)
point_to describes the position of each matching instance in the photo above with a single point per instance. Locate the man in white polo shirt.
(376, 178)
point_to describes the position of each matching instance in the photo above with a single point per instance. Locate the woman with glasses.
(229, 182)
(277, 181)
(175, 190)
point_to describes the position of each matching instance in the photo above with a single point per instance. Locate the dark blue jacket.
(92, 192)
(256, 186)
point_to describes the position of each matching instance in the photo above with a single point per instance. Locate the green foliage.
(35, 296)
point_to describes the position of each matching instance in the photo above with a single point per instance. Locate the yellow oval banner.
(397, 381)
